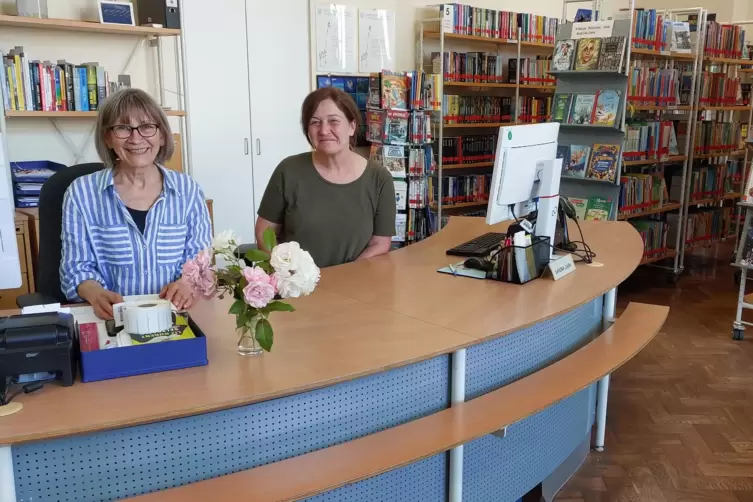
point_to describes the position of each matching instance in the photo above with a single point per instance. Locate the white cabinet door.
(278, 47)
(218, 106)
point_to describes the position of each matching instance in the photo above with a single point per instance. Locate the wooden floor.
(680, 416)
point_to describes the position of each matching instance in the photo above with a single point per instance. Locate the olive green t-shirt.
(333, 222)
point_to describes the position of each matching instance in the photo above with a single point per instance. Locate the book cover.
(563, 152)
(611, 54)
(401, 222)
(603, 165)
(393, 158)
(374, 99)
(561, 107)
(564, 52)
(580, 204)
(394, 90)
(375, 125)
(375, 154)
(587, 57)
(681, 41)
(575, 167)
(607, 107)
(598, 209)
(401, 195)
(582, 109)
(396, 127)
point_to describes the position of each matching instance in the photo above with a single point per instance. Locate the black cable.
(26, 389)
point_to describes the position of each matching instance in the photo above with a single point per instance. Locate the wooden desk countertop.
(365, 317)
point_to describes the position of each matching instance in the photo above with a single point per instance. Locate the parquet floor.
(680, 416)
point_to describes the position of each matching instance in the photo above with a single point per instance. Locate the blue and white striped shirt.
(101, 242)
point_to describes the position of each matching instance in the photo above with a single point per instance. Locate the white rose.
(284, 255)
(302, 275)
(224, 240)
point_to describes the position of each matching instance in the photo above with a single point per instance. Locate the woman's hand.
(99, 298)
(180, 293)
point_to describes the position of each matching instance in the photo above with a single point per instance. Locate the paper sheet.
(336, 38)
(376, 40)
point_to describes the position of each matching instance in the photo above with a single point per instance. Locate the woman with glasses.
(128, 229)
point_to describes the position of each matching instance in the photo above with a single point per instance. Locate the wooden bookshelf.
(481, 85)
(670, 253)
(462, 205)
(733, 153)
(661, 108)
(643, 162)
(85, 26)
(661, 54)
(658, 210)
(481, 125)
(714, 200)
(740, 108)
(468, 166)
(707, 59)
(73, 114)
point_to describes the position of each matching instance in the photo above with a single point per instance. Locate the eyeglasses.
(125, 131)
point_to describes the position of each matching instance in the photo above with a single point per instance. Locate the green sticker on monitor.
(509, 134)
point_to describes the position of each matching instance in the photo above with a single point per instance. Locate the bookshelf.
(722, 123)
(515, 59)
(35, 108)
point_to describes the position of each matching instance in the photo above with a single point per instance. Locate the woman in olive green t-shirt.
(337, 205)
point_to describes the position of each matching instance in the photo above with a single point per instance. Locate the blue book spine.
(84, 89)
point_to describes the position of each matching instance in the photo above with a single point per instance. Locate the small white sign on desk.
(592, 29)
(561, 266)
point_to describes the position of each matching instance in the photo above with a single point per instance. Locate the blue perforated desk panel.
(122, 463)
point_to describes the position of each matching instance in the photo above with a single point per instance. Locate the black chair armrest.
(31, 299)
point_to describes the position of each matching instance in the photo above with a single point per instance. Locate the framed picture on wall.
(114, 12)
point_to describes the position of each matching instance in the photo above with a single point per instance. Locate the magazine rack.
(744, 261)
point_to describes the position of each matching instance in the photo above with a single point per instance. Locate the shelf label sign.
(593, 29)
(448, 18)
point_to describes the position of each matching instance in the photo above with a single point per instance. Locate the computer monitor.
(10, 267)
(525, 155)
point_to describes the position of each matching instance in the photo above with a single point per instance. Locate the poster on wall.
(376, 40)
(336, 38)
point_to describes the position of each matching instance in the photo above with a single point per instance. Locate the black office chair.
(47, 276)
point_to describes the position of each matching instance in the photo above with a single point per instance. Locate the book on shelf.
(607, 107)
(650, 84)
(401, 221)
(580, 204)
(461, 189)
(603, 163)
(705, 225)
(724, 40)
(476, 109)
(681, 40)
(650, 30)
(401, 195)
(562, 103)
(34, 85)
(490, 23)
(641, 192)
(587, 55)
(654, 234)
(582, 110)
(605, 54)
(532, 110)
(593, 208)
(650, 140)
(717, 137)
(576, 161)
(719, 88)
(471, 149)
(714, 181)
(479, 67)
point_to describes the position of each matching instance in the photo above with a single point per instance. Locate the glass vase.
(247, 344)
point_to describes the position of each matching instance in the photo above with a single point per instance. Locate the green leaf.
(242, 319)
(237, 307)
(265, 266)
(257, 255)
(279, 307)
(264, 334)
(270, 239)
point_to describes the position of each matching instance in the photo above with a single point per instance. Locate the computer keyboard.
(480, 246)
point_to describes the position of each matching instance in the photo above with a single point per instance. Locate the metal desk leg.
(7, 481)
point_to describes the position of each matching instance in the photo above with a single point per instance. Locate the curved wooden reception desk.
(371, 349)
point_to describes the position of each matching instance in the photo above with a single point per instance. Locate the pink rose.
(191, 271)
(198, 272)
(208, 284)
(261, 287)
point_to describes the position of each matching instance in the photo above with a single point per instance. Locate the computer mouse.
(476, 263)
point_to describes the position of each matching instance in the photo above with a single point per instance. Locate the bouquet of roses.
(287, 272)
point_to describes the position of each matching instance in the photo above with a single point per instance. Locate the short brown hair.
(343, 101)
(119, 108)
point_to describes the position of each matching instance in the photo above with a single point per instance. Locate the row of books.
(33, 85)
(592, 208)
(641, 192)
(654, 233)
(704, 225)
(416, 162)
(411, 194)
(533, 110)
(412, 226)
(488, 67)
(714, 137)
(650, 30)
(398, 127)
(399, 90)
(533, 71)
(480, 22)
(460, 189)
(650, 140)
(469, 149)
(476, 109)
(604, 54)
(718, 89)
(649, 84)
(601, 107)
(724, 40)
(712, 181)
(597, 162)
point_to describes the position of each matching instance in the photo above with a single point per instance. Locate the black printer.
(37, 343)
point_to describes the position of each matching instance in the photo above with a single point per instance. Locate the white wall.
(36, 139)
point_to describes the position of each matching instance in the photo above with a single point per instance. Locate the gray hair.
(119, 108)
